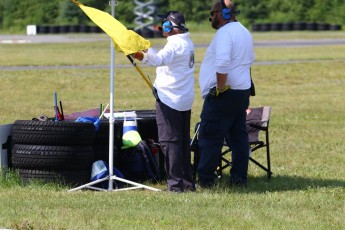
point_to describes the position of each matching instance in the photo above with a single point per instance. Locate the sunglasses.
(213, 12)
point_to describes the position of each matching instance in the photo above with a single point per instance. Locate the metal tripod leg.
(111, 179)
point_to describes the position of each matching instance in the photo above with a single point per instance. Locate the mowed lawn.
(305, 85)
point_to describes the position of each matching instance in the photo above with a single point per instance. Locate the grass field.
(305, 87)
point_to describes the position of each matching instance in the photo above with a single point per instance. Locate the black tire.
(148, 129)
(147, 124)
(299, 26)
(84, 29)
(138, 32)
(54, 29)
(52, 157)
(265, 27)
(287, 26)
(146, 33)
(335, 27)
(323, 26)
(64, 29)
(53, 133)
(276, 26)
(146, 113)
(102, 153)
(43, 29)
(67, 177)
(95, 29)
(256, 27)
(38, 29)
(102, 134)
(311, 26)
(74, 28)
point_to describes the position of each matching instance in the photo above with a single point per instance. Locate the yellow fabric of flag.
(126, 41)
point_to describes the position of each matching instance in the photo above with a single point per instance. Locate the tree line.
(17, 14)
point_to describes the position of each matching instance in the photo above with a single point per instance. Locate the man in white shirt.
(174, 91)
(225, 85)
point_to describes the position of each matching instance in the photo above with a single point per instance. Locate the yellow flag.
(125, 40)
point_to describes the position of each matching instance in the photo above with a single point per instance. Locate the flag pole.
(111, 118)
(146, 79)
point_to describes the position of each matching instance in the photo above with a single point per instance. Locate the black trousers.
(224, 116)
(174, 137)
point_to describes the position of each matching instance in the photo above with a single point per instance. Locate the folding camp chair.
(257, 121)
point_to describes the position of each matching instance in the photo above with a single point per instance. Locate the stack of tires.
(294, 26)
(53, 151)
(63, 29)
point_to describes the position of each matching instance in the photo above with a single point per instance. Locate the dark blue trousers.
(224, 116)
(174, 137)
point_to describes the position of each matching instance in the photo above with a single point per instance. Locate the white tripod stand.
(111, 177)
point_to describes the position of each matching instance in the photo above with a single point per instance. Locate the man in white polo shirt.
(225, 84)
(174, 90)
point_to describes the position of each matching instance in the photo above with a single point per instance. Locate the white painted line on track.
(15, 41)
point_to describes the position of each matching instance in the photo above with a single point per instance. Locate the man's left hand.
(215, 92)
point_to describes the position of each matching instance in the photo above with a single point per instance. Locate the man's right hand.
(138, 55)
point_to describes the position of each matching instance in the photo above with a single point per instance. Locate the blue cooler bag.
(100, 169)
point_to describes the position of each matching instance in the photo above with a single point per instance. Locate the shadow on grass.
(282, 183)
(260, 184)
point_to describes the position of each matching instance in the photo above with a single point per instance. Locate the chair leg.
(262, 167)
(195, 148)
(269, 172)
(196, 158)
(221, 167)
(219, 170)
(268, 168)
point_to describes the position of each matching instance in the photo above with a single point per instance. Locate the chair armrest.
(256, 126)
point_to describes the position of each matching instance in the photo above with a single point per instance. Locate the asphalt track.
(36, 39)
(10, 39)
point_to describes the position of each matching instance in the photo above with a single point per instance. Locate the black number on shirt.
(191, 59)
